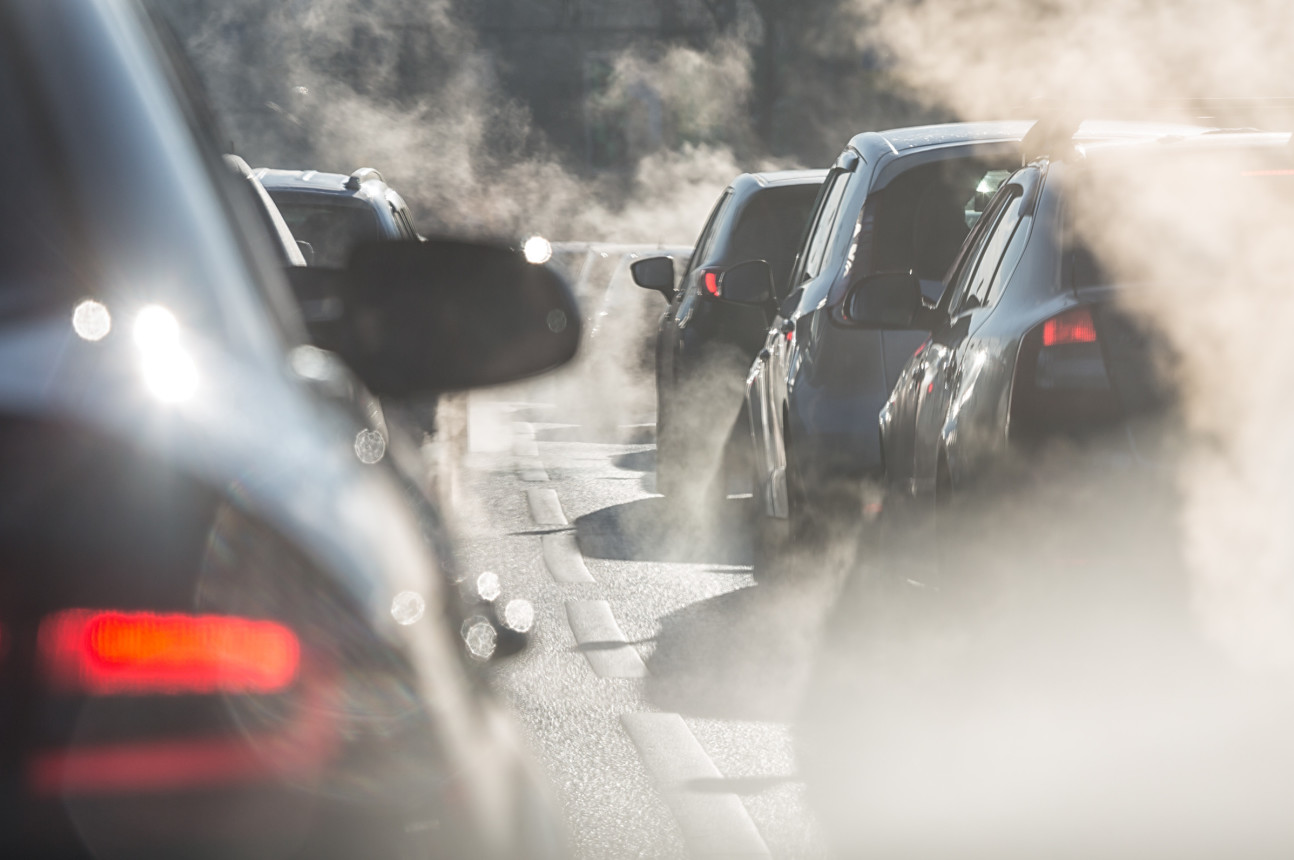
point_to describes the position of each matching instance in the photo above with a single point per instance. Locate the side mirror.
(748, 283)
(442, 315)
(655, 273)
(887, 300)
(307, 251)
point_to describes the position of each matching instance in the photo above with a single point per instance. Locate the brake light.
(1073, 326)
(109, 652)
(712, 283)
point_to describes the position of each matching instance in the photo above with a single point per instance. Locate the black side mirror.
(654, 273)
(748, 283)
(442, 315)
(889, 300)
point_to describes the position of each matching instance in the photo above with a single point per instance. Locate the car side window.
(819, 235)
(978, 289)
(967, 262)
(706, 242)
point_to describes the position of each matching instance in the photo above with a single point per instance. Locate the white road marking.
(563, 560)
(525, 447)
(545, 509)
(606, 648)
(531, 469)
(713, 825)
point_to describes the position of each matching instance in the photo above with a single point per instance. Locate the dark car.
(333, 212)
(893, 200)
(224, 630)
(704, 344)
(1029, 343)
(901, 200)
(1036, 638)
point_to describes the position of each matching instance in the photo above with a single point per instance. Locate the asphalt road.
(661, 681)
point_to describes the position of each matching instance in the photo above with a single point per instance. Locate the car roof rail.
(359, 177)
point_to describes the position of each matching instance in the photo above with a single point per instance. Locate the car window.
(706, 242)
(770, 228)
(976, 293)
(332, 225)
(964, 266)
(819, 235)
(919, 220)
(1010, 258)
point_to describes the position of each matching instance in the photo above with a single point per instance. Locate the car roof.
(1214, 140)
(902, 141)
(776, 178)
(372, 188)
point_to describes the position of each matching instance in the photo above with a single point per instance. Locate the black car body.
(1030, 342)
(705, 345)
(224, 631)
(333, 213)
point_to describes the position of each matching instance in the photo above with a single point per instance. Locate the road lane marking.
(607, 650)
(531, 469)
(545, 509)
(563, 559)
(525, 448)
(713, 824)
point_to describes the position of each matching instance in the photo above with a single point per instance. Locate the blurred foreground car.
(704, 344)
(334, 213)
(224, 631)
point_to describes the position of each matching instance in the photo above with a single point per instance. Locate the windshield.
(332, 225)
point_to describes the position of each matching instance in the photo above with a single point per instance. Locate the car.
(893, 200)
(1056, 601)
(1030, 342)
(333, 212)
(224, 629)
(900, 200)
(704, 343)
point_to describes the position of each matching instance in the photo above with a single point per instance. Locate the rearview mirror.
(887, 300)
(748, 283)
(654, 273)
(442, 315)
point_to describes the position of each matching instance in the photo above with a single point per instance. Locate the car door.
(899, 416)
(947, 394)
(685, 297)
(773, 364)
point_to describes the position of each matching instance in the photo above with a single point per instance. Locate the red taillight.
(106, 653)
(712, 283)
(1070, 327)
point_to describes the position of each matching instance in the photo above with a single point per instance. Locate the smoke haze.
(1117, 694)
